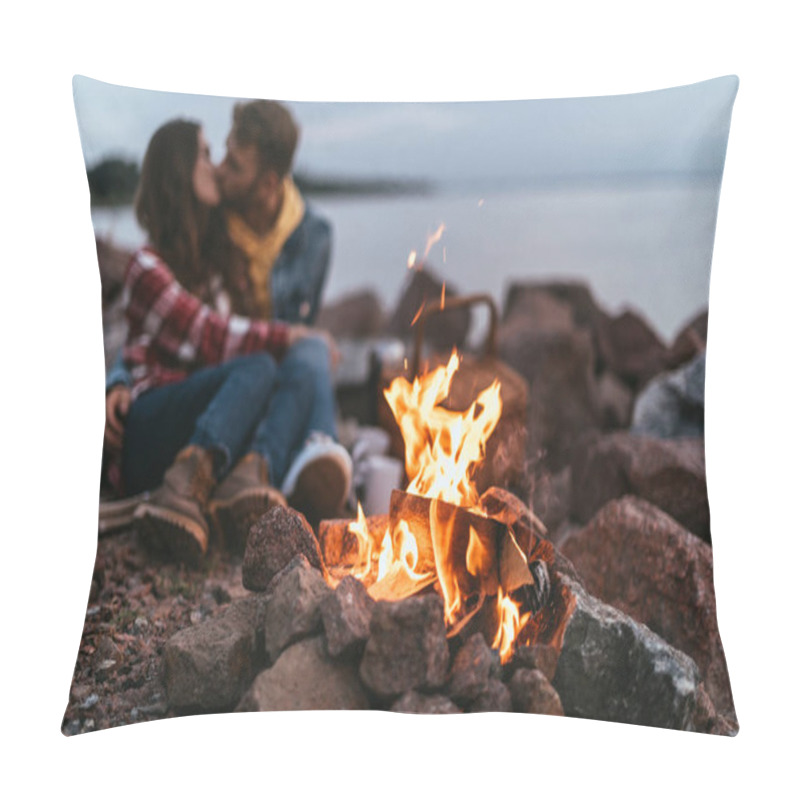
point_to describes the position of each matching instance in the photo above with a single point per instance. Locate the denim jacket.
(297, 280)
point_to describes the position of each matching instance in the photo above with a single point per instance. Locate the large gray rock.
(672, 405)
(294, 609)
(669, 473)
(407, 646)
(304, 678)
(640, 560)
(613, 668)
(208, 666)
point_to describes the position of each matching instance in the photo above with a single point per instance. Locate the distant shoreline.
(113, 182)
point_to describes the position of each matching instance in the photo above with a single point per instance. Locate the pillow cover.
(517, 292)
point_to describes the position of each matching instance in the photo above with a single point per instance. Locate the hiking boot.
(318, 482)
(242, 498)
(172, 521)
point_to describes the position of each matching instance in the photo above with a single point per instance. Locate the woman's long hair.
(167, 207)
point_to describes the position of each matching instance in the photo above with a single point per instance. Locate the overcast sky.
(661, 131)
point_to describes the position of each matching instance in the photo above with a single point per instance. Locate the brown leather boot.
(242, 498)
(173, 520)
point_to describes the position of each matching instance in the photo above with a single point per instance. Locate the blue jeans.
(311, 356)
(246, 404)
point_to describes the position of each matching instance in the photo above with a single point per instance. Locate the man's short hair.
(271, 128)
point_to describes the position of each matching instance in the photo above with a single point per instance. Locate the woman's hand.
(298, 332)
(118, 401)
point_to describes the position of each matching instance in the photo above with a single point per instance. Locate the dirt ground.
(137, 601)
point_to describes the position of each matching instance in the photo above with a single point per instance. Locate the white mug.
(383, 474)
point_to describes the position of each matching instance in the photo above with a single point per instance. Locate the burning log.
(459, 545)
(508, 508)
(341, 547)
(475, 557)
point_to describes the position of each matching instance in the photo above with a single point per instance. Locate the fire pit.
(483, 554)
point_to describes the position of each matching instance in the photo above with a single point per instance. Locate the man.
(278, 262)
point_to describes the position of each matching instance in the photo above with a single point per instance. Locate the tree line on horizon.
(113, 182)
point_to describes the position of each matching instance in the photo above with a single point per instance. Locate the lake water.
(639, 245)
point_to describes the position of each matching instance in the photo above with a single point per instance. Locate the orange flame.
(510, 625)
(477, 554)
(443, 447)
(385, 558)
(407, 554)
(359, 528)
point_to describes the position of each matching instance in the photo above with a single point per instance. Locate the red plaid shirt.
(171, 332)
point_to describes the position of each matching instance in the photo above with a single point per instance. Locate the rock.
(304, 678)
(415, 703)
(585, 312)
(672, 405)
(208, 666)
(273, 541)
(472, 666)
(615, 401)
(613, 668)
(690, 341)
(407, 646)
(540, 309)
(346, 613)
(670, 473)
(707, 720)
(293, 611)
(552, 494)
(559, 368)
(531, 693)
(563, 565)
(496, 697)
(537, 656)
(355, 316)
(636, 353)
(638, 559)
(443, 331)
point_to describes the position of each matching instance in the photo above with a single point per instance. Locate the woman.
(207, 413)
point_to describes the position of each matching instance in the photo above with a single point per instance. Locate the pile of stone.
(297, 643)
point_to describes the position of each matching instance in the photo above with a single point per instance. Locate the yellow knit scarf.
(263, 251)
